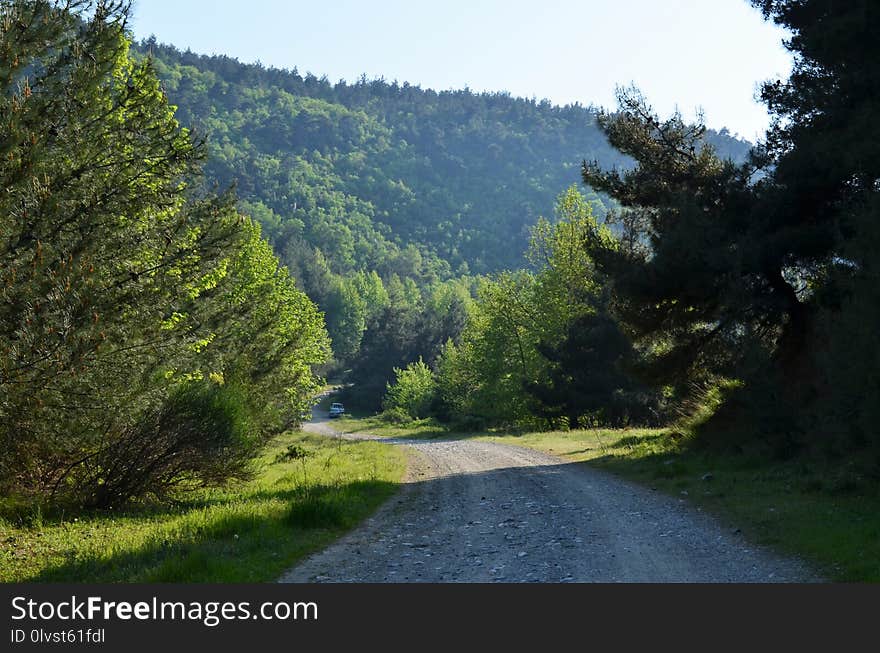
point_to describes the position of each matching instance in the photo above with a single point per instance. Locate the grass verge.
(825, 515)
(309, 491)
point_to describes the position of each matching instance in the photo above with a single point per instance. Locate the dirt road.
(483, 512)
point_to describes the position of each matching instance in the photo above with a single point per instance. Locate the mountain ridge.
(376, 174)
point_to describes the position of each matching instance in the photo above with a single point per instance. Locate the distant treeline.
(384, 199)
(364, 170)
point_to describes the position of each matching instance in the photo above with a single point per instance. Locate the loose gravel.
(481, 512)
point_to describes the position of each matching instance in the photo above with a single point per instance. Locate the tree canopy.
(120, 283)
(763, 270)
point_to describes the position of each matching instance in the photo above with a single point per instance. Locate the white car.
(336, 409)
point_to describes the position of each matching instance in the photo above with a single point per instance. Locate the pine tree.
(825, 191)
(116, 274)
(687, 273)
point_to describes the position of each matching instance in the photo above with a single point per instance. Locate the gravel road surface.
(482, 512)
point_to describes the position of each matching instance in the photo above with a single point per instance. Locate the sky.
(686, 55)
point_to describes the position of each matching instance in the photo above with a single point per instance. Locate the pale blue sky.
(690, 54)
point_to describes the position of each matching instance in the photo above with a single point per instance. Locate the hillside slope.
(371, 172)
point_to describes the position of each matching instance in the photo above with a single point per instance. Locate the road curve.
(483, 512)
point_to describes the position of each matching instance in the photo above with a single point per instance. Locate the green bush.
(413, 391)
(396, 415)
(202, 435)
(468, 423)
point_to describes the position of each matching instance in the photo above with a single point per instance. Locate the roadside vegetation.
(308, 491)
(733, 305)
(151, 344)
(708, 314)
(384, 195)
(804, 508)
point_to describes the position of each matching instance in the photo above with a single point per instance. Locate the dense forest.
(739, 298)
(188, 243)
(383, 199)
(362, 171)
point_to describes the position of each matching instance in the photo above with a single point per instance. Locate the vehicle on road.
(336, 409)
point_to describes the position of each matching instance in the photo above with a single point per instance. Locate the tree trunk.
(792, 356)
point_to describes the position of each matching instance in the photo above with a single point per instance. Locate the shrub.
(396, 415)
(413, 390)
(201, 435)
(469, 423)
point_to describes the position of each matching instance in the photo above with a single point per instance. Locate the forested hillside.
(190, 247)
(362, 170)
(409, 183)
(741, 276)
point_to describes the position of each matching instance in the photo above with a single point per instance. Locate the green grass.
(250, 532)
(424, 428)
(828, 516)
